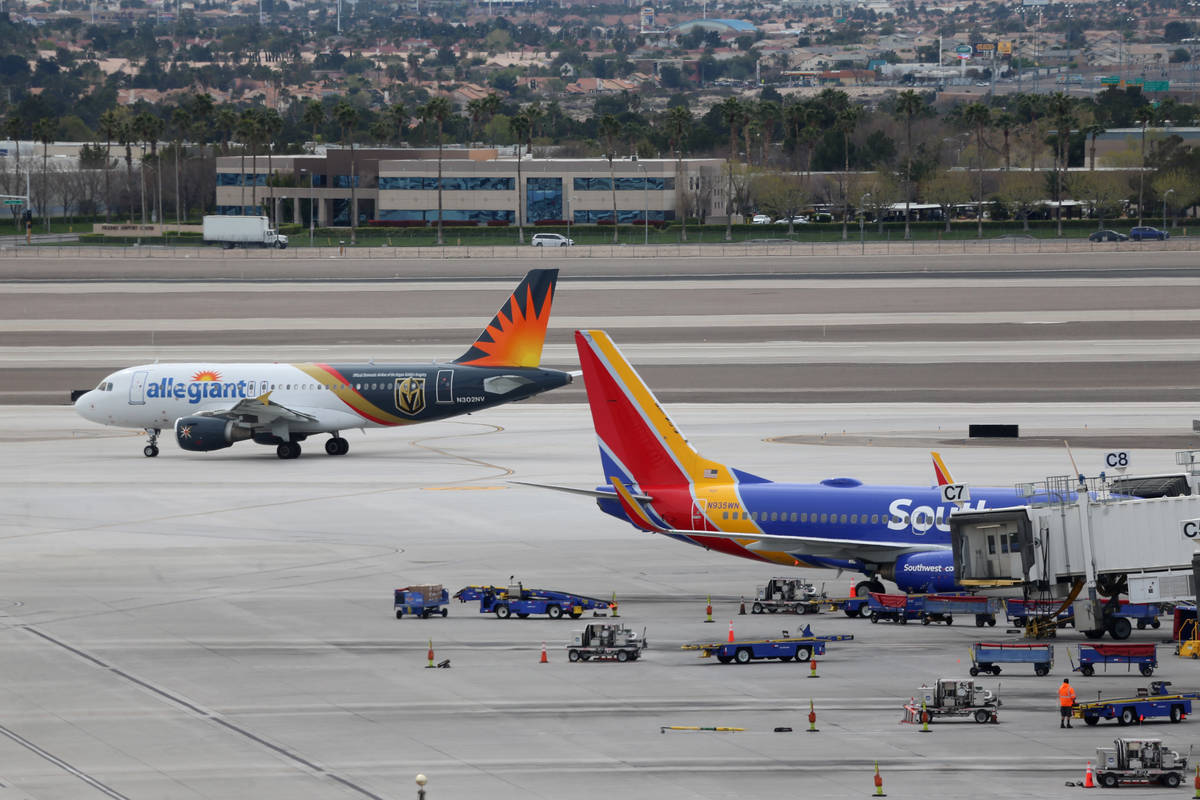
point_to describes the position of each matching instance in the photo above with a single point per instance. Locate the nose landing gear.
(151, 450)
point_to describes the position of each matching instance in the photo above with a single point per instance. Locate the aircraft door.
(700, 521)
(137, 388)
(445, 386)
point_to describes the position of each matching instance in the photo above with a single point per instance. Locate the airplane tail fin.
(939, 470)
(515, 335)
(639, 444)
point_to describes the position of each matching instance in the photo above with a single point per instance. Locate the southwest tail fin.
(515, 335)
(639, 444)
(939, 470)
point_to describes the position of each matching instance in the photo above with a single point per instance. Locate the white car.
(761, 219)
(551, 240)
(795, 221)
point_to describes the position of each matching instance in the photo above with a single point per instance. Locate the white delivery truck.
(232, 232)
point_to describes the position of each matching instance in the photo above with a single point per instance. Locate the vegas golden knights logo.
(410, 395)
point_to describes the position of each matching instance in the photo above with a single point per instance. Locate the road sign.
(1157, 86)
(1110, 80)
(14, 202)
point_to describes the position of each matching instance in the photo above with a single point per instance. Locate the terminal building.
(479, 186)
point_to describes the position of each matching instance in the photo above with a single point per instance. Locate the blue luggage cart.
(987, 656)
(895, 607)
(420, 601)
(943, 607)
(1144, 656)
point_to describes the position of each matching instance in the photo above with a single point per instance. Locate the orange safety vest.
(1066, 695)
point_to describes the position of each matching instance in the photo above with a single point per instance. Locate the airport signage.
(955, 493)
(1035, 2)
(1190, 529)
(17, 202)
(1118, 459)
(1157, 86)
(1004, 48)
(1110, 80)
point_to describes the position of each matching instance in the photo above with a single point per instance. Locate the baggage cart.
(420, 601)
(1144, 656)
(943, 607)
(988, 656)
(894, 607)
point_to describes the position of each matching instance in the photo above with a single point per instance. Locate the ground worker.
(1066, 703)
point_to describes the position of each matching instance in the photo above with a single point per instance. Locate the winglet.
(515, 335)
(939, 470)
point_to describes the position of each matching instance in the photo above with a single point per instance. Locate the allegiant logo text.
(195, 391)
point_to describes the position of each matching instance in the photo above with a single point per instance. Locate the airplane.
(659, 483)
(213, 406)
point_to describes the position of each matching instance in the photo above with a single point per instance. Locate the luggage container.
(987, 656)
(1144, 656)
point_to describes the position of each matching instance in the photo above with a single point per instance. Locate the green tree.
(44, 129)
(438, 110)
(181, 121)
(109, 126)
(1145, 117)
(521, 130)
(1102, 191)
(978, 116)
(149, 130)
(846, 123)
(346, 117)
(678, 123)
(1092, 131)
(313, 116)
(780, 193)
(1062, 116)
(1180, 188)
(1025, 191)
(732, 114)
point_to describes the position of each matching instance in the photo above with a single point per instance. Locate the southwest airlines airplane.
(212, 406)
(658, 482)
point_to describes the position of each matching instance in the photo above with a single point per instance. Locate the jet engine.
(923, 572)
(208, 433)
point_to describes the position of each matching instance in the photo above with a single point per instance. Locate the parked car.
(551, 240)
(761, 219)
(1107, 236)
(1145, 232)
(801, 220)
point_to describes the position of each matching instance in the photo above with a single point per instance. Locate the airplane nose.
(85, 406)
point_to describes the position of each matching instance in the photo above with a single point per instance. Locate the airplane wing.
(848, 549)
(259, 411)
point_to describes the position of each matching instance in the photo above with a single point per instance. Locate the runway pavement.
(220, 625)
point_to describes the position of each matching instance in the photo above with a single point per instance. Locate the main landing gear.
(337, 446)
(863, 588)
(286, 450)
(151, 450)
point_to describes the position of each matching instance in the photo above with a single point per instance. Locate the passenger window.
(793, 516)
(724, 515)
(874, 519)
(853, 518)
(824, 518)
(804, 516)
(774, 516)
(843, 519)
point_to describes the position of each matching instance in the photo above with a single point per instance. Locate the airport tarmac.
(220, 625)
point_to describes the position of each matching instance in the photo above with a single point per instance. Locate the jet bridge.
(1121, 535)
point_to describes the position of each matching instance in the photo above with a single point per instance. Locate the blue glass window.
(477, 215)
(543, 199)
(624, 216)
(448, 184)
(238, 211)
(343, 181)
(623, 184)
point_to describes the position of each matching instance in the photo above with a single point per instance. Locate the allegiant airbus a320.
(212, 406)
(658, 482)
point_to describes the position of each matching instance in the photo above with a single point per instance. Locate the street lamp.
(862, 221)
(1169, 191)
(421, 781)
(645, 205)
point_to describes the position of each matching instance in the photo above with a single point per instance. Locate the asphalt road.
(910, 336)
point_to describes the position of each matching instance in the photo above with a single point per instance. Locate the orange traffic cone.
(812, 718)
(742, 608)
(708, 611)
(544, 660)
(1089, 780)
(430, 664)
(731, 630)
(812, 668)
(853, 593)
(878, 783)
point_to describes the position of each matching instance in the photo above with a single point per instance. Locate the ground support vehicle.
(1019, 611)
(943, 607)
(785, 648)
(1145, 656)
(851, 606)
(895, 607)
(787, 595)
(1139, 761)
(953, 697)
(505, 601)
(1155, 701)
(987, 656)
(421, 601)
(1120, 621)
(241, 231)
(606, 641)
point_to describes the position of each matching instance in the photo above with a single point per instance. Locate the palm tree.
(1005, 121)
(181, 120)
(347, 117)
(978, 116)
(491, 106)
(398, 117)
(1059, 106)
(126, 137)
(610, 129)
(475, 113)
(44, 129)
(678, 123)
(149, 129)
(769, 114)
(250, 132)
(226, 121)
(535, 114)
(313, 116)
(908, 105)
(1144, 116)
(846, 122)
(438, 110)
(1092, 131)
(109, 124)
(520, 127)
(271, 124)
(732, 113)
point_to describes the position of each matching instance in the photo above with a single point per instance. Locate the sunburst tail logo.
(515, 335)
(207, 375)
